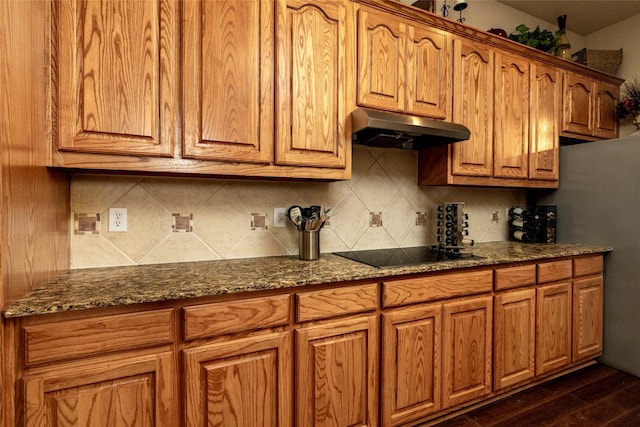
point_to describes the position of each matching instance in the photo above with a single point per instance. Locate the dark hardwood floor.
(592, 397)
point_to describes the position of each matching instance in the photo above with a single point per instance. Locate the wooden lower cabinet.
(467, 348)
(514, 337)
(126, 390)
(337, 373)
(587, 318)
(244, 382)
(411, 381)
(553, 326)
(396, 353)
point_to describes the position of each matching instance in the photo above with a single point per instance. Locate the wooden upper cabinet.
(473, 91)
(544, 118)
(382, 59)
(115, 77)
(589, 107)
(311, 83)
(228, 58)
(606, 119)
(511, 136)
(402, 67)
(577, 104)
(428, 72)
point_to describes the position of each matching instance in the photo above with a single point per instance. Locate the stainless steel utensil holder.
(309, 244)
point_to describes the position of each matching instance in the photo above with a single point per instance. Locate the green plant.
(543, 40)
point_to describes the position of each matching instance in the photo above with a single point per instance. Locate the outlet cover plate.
(117, 220)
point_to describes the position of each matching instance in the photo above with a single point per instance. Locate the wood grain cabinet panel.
(207, 320)
(411, 359)
(473, 92)
(311, 84)
(337, 373)
(403, 66)
(606, 124)
(511, 135)
(514, 277)
(228, 57)
(555, 270)
(467, 350)
(589, 107)
(116, 76)
(544, 113)
(340, 301)
(68, 339)
(553, 327)
(588, 266)
(398, 292)
(245, 382)
(382, 60)
(127, 390)
(429, 78)
(577, 104)
(514, 337)
(587, 318)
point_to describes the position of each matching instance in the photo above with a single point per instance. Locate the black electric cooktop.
(397, 257)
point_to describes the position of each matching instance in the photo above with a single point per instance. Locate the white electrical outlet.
(117, 220)
(279, 217)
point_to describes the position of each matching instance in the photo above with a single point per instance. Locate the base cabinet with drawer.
(391, 352)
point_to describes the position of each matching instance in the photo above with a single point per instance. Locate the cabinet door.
(382, 60)
(606, 119)
(311, 93)
(544, 113)
(577, 102)
(228, 80)
(410, 364)
(336, 373)
(514, 337)
(244, 382)
(511, 136)
(135, 391)
(428, 73)
(587, 318)
(466, 353)
(473, 92)
(115, 76)
(553, 327)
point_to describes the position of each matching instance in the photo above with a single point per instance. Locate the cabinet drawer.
(220, 318)
(420, 289)
(74, 338)
(328, 303)
(554, 271)
(515, 277)
(587, 266)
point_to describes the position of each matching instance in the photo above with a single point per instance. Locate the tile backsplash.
(195, 219)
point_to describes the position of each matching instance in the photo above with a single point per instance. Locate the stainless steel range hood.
(392, 130)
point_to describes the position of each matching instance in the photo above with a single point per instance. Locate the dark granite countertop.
(117, 286)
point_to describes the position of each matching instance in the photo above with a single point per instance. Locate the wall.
(383, 181)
